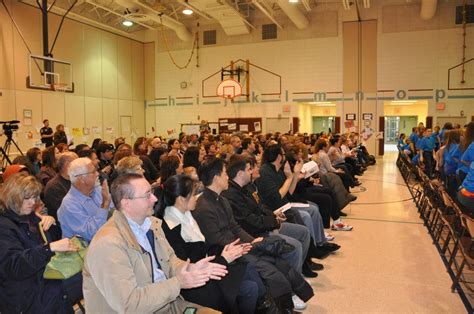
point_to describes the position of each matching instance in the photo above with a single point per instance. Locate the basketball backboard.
(229, 88)
(49, 74)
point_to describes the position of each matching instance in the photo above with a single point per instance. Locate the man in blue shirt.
(86, 206)
(426, 146)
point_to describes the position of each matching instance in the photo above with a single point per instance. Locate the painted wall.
(412, 62)
(108, 72)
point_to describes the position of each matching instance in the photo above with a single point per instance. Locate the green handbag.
(64, 265)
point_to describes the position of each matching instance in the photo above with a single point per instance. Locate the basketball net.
(58, 87)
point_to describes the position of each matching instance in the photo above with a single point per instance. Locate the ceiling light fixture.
(323, 104)
(127, 23)
(402, 102)
(293, 1)
(187, 11)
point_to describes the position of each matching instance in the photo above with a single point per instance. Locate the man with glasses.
(86, 206)
(130, 266)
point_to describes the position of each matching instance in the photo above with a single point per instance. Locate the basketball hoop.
(229, 89)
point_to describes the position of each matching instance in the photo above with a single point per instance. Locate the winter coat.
(23, 258)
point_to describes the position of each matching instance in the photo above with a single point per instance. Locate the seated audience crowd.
(228, 223)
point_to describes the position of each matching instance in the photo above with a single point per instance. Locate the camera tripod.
(5, 150)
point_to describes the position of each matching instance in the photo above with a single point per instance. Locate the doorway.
(323, 124)
(394, 126)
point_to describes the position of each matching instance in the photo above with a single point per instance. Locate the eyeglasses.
(147, 196)
(85, 173)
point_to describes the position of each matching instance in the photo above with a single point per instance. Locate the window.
(269, 31)
(209, 37)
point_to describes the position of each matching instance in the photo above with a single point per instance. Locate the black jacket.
(255, 218)
(217, 294)
(54, 192)
(216, 221)
(59, 137)
(23, 258)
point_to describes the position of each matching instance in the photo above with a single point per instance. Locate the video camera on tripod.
(8, 128)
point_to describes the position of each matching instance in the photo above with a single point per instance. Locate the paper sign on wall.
(232, 126)
(224, 122)
(109, 129)
(257, 126)
(244, 127)
(77, 132)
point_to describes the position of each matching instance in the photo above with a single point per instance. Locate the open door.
(429, 122)
(381, 140)
(337, 125)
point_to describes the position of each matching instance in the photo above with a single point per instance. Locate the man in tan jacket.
(131, 268)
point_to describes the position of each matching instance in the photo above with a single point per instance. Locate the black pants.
(429, 163)
(348, 179)
(327, 206)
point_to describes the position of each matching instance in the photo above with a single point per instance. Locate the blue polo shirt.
(406, 147)
(468, 156)
(451, 158)
(419, 143)
(441, 136)
(414, 138)
(400, 143)
(429, 143)
(468, 182)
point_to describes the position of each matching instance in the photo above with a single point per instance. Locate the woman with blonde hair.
(130, 164)
(24, 255)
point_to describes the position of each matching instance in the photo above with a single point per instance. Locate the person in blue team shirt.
(451, 157)
(401, 141)
(446, 127)
(435, 135)
(406, 148)
(467, 149)
(466, 191)
(426, 147)
(414, 137)
(417, 141)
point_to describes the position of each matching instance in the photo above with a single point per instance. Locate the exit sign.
(440, 106)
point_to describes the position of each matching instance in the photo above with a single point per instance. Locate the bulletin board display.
(253, 125)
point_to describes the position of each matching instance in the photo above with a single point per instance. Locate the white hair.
(77, 167)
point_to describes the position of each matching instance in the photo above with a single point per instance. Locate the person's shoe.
(343, 214)
(329, 237)
(315, 266)
(329, 247)
(298, 303)
(341, 227)
(352, 198)
(307, 272)
(319, 253)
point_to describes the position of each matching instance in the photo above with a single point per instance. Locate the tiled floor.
(388, 263)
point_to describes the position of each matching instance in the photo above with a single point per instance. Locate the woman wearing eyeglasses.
(242, 288)
(24, 255)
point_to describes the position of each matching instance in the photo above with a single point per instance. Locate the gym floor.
(388, 263)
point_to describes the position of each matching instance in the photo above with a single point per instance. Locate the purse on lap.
(64, 265)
